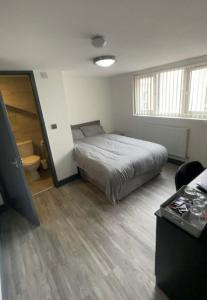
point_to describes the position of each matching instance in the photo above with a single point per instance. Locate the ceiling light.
(104, 61)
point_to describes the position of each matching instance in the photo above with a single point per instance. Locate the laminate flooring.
(85, 248)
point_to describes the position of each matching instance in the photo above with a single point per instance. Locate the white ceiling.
(55, 34)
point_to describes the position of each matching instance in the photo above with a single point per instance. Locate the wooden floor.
(85, 248)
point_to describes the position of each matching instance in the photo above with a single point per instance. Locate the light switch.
(53, 126)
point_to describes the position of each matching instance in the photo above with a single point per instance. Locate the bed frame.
(77, 126)
(130, 185)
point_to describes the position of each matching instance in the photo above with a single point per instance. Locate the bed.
(116, 164)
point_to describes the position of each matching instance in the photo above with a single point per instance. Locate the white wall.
(88, 99)
(122, 98)
(70, 99)
(53, 103)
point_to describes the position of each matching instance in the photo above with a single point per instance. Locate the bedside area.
(118, 132)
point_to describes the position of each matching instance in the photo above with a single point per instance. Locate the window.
(172, 93)
(145, 93)
(170, 86)
(198, 92)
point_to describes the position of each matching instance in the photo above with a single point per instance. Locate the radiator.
(174, 138)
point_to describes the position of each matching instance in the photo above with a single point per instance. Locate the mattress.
(112, 160)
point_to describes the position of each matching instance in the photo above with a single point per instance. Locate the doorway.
(19, 99)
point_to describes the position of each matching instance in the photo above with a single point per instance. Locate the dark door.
(11, 171)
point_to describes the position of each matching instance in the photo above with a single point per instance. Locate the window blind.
(172, 93)
(197, 106)
(145, 94)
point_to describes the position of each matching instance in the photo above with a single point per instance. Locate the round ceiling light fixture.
(104, 61)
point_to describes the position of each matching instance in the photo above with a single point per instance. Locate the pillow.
(77, 134)
(91, 130)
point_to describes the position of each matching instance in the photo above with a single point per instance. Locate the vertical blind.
(198, 93)
(172, 93)
(145, 92)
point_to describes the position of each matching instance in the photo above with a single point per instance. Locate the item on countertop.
(197, 212)
(190, 192)
(187, 210)
(202, 187)
(180, 205)
(205, 210)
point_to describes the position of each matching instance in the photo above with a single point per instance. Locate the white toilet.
(30, 161)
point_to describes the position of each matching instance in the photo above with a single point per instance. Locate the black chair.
(187, 172)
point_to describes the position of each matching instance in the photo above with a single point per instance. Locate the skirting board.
(175, 161)
(67, 180)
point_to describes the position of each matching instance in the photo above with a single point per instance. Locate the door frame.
(30, 74)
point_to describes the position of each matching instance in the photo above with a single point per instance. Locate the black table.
(181, 259)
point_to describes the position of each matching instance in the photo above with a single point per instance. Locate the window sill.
(165, 117)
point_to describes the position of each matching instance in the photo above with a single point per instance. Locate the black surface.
(68, 179)
(2, 191)
(187, 172)
(175, 161)
(12, 175)
(180, 262)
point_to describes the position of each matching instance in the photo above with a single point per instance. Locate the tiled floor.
(44, 183)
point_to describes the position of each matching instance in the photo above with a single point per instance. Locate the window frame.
(190, 70)
(184, 112)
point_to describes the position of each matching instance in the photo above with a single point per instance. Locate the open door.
(12, 173)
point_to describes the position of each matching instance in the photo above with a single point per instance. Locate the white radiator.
(174, 138)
